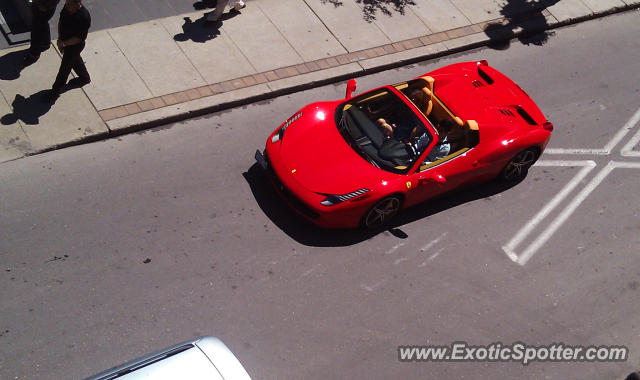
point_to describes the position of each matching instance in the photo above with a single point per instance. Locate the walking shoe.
(239, 5)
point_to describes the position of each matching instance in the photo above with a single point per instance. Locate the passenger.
(442, 147)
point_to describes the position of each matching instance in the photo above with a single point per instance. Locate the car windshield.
(382, 129)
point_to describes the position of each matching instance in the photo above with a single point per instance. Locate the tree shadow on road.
(523, 17)
(28, 110)
(11, 65)
(201, 30)
(308, 234)
(370, 8)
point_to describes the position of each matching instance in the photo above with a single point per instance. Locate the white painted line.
(565, 214)
(627, 150)
(565, 163)
(398, 261)
(394, 248)
(600, 152)
(629, 125)
(588, 165)
(433, 242)
(627, 165)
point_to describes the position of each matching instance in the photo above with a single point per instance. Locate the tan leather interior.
(429, 101)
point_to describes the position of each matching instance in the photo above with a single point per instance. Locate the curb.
(507, 35)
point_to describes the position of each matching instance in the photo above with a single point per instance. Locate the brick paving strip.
(304, 68)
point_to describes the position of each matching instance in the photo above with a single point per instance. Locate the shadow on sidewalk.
(525, 17)
(201, 30)
(371, 7)
(28, 109)
(308, 234)
(11, 65)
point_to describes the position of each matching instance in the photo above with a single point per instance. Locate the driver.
(404, 132)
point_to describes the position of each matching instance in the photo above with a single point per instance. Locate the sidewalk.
(169, 69)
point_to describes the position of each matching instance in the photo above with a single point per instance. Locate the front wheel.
(519, 165)
(381, 212)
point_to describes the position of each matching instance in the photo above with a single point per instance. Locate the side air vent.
(485, 76)
(477, 83)
(525, 116)
(506, 112)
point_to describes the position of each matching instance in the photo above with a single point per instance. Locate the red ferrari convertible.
(358, 161)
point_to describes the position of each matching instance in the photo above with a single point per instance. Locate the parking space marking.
(629, 125)
(587, 167)
(627, 150)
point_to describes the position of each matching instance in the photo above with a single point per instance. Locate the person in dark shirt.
(41, 13)
(73, 28)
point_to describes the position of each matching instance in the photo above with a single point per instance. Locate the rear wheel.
(381, 212)
(519, 165)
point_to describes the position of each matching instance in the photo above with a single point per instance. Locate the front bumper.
(340, 216)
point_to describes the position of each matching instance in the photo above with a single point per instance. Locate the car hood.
(319, 158)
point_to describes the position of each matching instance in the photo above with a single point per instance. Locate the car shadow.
(304, 232)
(524, 17)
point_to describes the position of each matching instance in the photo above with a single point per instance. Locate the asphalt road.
(114, 249)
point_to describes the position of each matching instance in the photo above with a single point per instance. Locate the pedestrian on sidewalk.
(41, 13)
(221, 5)
(73, 28)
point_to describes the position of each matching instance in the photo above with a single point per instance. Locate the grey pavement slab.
(302, 28)
(440, 15)
(603, 5)
(215, 56)
(156, 57)
(399, 27)
(13, 141)
(259, 40)
(569, 9)
(114, 80)
(480, 10)
(346, 23)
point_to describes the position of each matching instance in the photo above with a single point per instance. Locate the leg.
(46, 31)
(220, 5)
(70, 56)
(36, 31)
(79, 68)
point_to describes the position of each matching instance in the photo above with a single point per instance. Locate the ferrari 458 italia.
(358, 161)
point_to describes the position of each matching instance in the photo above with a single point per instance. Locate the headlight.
(278, 136)
(332, 200)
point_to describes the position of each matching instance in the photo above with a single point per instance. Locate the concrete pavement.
(177, 67)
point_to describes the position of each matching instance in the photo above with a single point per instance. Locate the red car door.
(435, 179)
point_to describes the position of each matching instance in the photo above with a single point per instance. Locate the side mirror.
(433, 177)
(351, 87)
